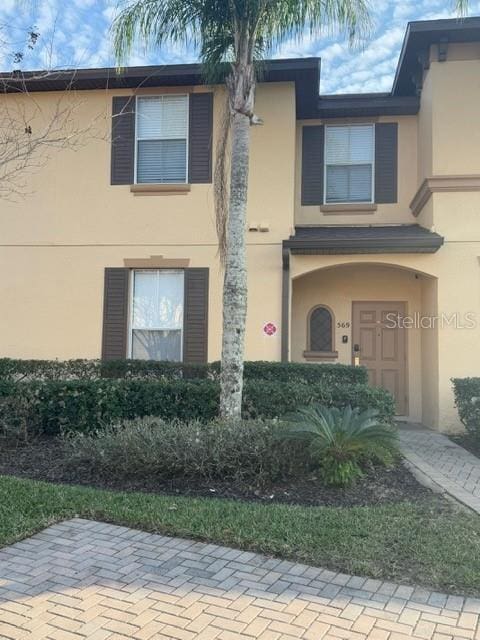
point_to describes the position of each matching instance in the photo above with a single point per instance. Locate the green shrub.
(153, 370)
(341, 439)
(87, 405)
(315, 373)
(243, 451)
(273, 399)
(15, 417)
(467, 395)
(16, 370)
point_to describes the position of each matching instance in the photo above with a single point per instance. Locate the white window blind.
(157, 315)
(162, 125)
(349, 157)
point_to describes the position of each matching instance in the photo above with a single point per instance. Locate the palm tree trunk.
(235, 280)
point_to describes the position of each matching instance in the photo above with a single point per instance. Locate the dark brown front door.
(382, 347)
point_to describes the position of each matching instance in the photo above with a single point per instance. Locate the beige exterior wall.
(455, 93)
(398, 212)
(449, 139)
(425, 133)
(444, 285)
(57, 240)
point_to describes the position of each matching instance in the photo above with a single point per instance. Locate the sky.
(75, 34)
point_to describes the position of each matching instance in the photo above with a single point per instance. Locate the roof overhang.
(304, 72)
(367, 105)
(418, 39)
(363, 239)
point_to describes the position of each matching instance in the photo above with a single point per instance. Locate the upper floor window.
(157, 314)
(349, 163)
(161, 139)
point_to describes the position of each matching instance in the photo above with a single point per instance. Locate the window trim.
(130, 329)
(325, 187)
(309, 354)
(187, 138)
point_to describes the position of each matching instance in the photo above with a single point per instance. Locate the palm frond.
(461, 7)
(341, 438)
(293, 18)
(216, 27)
(158, 22)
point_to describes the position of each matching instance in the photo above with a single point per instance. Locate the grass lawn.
(429, 543)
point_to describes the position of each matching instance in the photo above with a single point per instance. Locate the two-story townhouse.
(363, 233)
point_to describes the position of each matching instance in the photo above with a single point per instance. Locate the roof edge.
(113, 77)
(304, 72)
(367, 105)
(419, 36)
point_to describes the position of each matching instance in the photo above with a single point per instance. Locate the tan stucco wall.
(449, 139)
(456, 134)
(425, 134)
(58, 238)
(398, 212)
(451, 286)
(429, 355)
(71, 199)
(53, 297)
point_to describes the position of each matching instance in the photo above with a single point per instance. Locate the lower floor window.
(320, 330)
(157, 314)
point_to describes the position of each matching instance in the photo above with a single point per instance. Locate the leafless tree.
(32, 128)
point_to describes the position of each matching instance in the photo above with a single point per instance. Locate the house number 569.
(343, 325)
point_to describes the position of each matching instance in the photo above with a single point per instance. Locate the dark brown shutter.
(123, 140)
(115, 314)
(312, 164)
(386, 163)
(200, 137)
(195, 316)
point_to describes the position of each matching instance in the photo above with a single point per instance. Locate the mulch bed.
(467, 442)
(44, 460)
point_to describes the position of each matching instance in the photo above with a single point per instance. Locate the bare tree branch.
(32, 129)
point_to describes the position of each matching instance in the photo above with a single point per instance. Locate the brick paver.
(82, 579)
(447, 465)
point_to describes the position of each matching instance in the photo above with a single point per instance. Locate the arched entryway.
(375, 315)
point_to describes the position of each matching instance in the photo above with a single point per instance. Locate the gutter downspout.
(285, 304)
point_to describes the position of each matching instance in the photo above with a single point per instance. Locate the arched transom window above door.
(320, 334)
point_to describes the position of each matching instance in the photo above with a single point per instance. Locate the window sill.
(320, 355)
(160, 189)
(348, 209)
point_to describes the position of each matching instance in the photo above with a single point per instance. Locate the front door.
(381, 347)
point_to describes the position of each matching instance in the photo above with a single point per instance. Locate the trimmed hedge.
(465, 390)
(307, 372)
(83, 405)
(16, 370)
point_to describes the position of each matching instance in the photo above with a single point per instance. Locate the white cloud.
(77, 34)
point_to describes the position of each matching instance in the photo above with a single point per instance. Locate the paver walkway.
(453, 469)
(81, 579)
